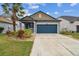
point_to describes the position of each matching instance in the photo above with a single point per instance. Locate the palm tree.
(15, 10)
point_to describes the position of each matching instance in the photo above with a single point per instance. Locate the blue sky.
(53, 9)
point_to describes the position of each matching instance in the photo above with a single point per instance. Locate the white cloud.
(73, 4)
(33, 6)
(68, 10)
(56, 12)
(59, 4)
(47, 12)
(27, 13)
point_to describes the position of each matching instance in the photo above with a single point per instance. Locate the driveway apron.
(54, 45)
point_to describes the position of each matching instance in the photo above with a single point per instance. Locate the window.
(72, 22)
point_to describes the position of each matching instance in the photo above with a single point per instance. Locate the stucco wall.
(18, 25)
(75, 25)
(64, 24)
(69, 26)
(8, 26)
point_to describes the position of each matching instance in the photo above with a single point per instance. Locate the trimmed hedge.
(1, 29)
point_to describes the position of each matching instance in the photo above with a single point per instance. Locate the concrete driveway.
(54, 45)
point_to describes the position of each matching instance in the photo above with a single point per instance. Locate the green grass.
(73, 35)
(10, 47)
(66, 32)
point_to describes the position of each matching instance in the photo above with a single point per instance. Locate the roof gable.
(39, 16)
(42, 16)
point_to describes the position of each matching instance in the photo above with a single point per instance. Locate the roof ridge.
(70, 18)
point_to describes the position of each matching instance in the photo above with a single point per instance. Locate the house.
(6, 23)
(69, 23)
(41, 22)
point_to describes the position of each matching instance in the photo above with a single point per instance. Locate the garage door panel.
(47, 28)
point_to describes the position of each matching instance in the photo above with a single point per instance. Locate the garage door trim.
(56, 26)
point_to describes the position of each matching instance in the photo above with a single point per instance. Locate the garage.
(47, 28)
(77, 28)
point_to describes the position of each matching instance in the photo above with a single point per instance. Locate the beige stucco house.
(41, 22)
(69, 23)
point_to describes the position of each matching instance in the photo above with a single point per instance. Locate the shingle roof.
(70, 18)
(44, 17)
(26, 18)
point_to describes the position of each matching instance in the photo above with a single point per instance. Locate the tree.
(15, 10)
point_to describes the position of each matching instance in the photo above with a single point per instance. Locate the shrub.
(28, 32)
(1, 29)
(11, 33)
(8, 33)
(14, 33)
(20, 34)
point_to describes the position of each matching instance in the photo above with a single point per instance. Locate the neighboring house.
(69, 23)
(6, 23)
(41, 22)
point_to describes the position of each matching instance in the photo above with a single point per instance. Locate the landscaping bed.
(10, 47)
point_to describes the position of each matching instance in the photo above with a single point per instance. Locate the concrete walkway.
(54, 45)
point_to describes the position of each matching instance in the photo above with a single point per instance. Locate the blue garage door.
(47, 28)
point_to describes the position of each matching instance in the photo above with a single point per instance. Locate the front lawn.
(71, 34)
(9, 47)
(75, 35)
